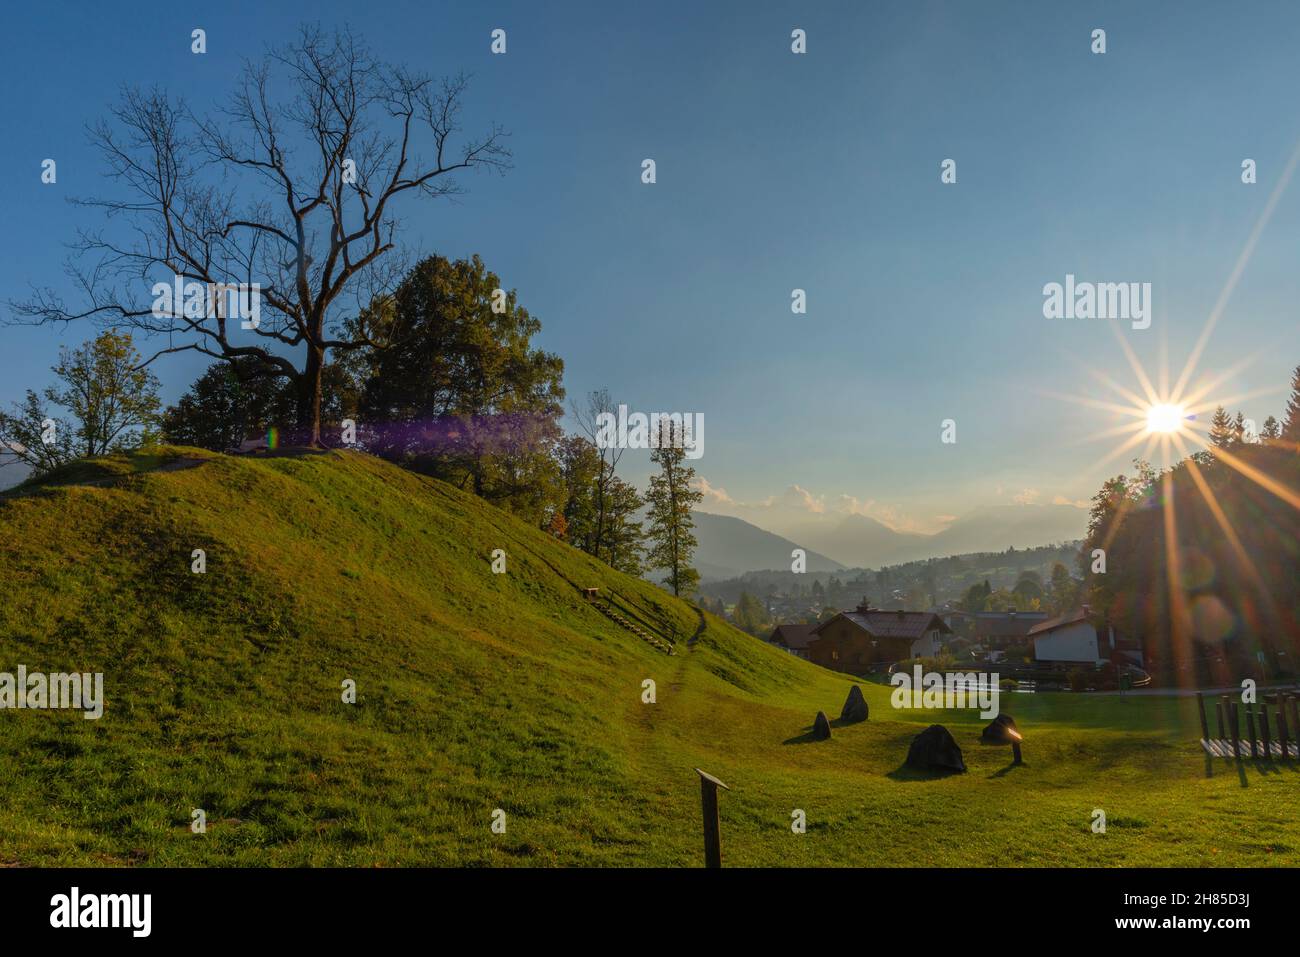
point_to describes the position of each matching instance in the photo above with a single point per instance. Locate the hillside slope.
(478, 691)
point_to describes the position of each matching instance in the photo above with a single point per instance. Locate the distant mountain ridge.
(859, 541)
(729, 547)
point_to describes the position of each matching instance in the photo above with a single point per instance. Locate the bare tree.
(589, 416)
(294, 195)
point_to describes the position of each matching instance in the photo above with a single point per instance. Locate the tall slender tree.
(671, 496)
(1222, 433)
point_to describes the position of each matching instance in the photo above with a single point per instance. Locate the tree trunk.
(309, 396)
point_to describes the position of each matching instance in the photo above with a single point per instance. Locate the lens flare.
(1165, 418)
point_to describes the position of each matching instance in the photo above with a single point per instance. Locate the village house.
(1072, 639)
(793, 638)
(869, 638)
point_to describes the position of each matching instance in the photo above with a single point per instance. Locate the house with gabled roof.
(1075, 639)
(793, 638)
(867, 638)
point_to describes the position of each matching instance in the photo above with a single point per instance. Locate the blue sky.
(778, 171)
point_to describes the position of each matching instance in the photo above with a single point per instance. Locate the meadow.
(478, 691)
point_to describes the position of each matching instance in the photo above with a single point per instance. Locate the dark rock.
(855, 707)
(935, 750)
(821, 727)
(996, 732)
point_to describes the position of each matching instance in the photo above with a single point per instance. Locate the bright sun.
(1165, 418)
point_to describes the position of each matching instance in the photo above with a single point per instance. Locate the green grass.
(479, 691)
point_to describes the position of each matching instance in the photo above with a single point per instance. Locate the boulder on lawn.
(821, 727)
(996, 732)
(855, 706)
(935, 750)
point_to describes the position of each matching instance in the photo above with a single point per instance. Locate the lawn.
(478, 691)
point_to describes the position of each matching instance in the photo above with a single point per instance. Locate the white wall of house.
(927, 646)
(1076, 642)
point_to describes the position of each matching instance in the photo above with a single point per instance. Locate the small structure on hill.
(855, 706)
(821, 727)
(935, 750)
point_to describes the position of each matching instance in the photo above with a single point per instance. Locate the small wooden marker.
(1234, 718)
(1263, 731)
(712, 823)
(1281, 727)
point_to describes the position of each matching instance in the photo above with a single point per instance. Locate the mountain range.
(730, 546)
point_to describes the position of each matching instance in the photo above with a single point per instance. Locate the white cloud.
(1026, 496)
(1077, 503)
(712, 493)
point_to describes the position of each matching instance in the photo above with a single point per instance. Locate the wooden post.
(1250, 727)
(1223, 731)
(1234, 719)
(1295, 717)
(1281, 727)
(712, 823)
(1263, 731)
(1200, 708)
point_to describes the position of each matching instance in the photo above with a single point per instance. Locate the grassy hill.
(478, 691)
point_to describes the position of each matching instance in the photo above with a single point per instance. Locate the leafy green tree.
(34, 436)
(1063, 592)
(237, 400)
(1029, 586)
(750, 615)
(227, 404)
(111, 402)
(461, 393)
(672, 495)
(579, 466)
(601, 518)
(623, 538)
(976, 597)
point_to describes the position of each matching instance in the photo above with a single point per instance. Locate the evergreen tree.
(1239, 429)
(1221, 431)
(671, 496)
(1272, 429)
(1291, 424)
